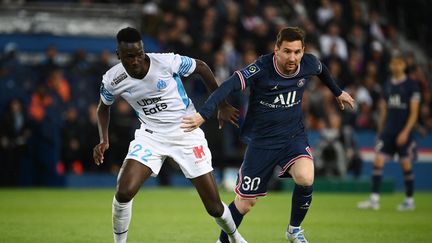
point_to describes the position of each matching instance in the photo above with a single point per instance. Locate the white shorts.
(188, 149)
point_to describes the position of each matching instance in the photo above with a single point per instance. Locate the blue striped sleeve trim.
(106, 94)
(185, 65)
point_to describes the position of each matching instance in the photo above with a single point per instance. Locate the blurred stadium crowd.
(48, 107)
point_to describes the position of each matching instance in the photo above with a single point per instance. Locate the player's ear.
(117, 53)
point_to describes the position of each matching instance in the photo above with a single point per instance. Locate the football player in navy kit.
(274, 129)
(398, 114)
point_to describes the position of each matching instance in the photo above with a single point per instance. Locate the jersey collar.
(395, 81)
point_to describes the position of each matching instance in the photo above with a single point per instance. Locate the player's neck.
(399, 78)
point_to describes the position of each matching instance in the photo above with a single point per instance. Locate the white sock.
(121, 217)
(292, 228)
(374, 197)
(226, 221)
(409, 200)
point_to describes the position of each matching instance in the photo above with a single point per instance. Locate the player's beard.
(136, 71)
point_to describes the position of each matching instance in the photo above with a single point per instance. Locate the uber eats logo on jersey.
(152, 105)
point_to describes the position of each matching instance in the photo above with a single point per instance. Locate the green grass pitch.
(177, 215)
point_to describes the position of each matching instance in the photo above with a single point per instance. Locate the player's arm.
(411, 121)
(382, 115)
(194, 121)
(226, 111)
(342, 97)
(103, 118)
(207, 75)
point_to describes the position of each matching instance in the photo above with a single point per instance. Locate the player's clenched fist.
(98, 152)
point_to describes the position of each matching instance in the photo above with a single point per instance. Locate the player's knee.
(124, 194)
(304, 179)
(244, 205)
(406, 165)
(379, 161)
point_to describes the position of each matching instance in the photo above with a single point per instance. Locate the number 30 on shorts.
(137, 151)
(250, 184)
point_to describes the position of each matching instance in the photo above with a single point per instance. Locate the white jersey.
(159, 99)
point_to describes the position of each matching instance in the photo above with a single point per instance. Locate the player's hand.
(229, 113)
(192, 122)
(98, 152)
(402, 138)
(345, 98)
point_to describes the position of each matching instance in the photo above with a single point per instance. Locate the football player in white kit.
(151, 84)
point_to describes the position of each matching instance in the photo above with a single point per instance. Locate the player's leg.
(208, 192)
(192, 154)
(252, 181)
(408, 203)
(238, 208)
(376, 178)
(406, 153)
(384, 148)
(130, 178)
(302, 172)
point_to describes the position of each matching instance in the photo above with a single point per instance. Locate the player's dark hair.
(290, 34)
(128, 35)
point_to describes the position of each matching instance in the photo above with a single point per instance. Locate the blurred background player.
(399, 111)
(274, 129)
(151, 84)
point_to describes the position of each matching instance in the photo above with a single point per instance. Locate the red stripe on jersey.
(242, 81)
(309, 150)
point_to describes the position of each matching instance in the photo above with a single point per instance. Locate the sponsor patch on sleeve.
(118, 79)
(250, 70)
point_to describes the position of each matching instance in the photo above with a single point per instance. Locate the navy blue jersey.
(274, 114)
(398, 97)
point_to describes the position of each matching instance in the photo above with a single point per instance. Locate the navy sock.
(409, 183)
(301, 200)
(237, 217)
(376, 179)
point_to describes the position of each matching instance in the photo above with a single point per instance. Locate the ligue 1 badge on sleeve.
(250, 70)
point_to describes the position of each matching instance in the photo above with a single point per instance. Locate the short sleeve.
(415, 92)
(183, 65)
(106, 93)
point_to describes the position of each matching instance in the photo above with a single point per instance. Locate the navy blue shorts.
(387, 145)
(259, 164)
